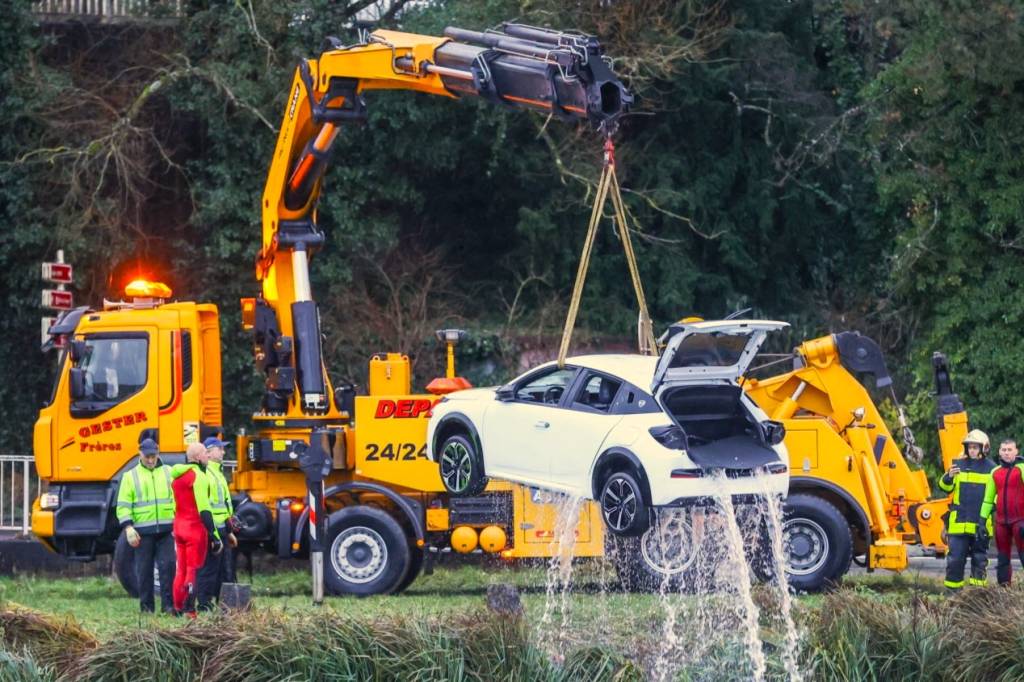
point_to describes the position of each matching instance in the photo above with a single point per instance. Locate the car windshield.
(710, 349)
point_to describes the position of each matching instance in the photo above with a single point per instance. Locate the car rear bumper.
(743, 488)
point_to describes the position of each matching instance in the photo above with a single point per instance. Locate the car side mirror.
(77, 350)
(774, 432)
(76, 382)
(505, 394)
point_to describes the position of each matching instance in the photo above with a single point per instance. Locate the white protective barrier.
(19, 486)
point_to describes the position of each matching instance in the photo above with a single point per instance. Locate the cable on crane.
(608, 185)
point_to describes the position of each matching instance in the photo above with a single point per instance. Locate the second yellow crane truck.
(852, 494)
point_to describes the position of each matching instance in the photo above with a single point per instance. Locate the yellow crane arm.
(561, 73)
(825, 386)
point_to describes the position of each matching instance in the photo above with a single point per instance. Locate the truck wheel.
(817, 541)
(462, 467)
(124, 566)
(665, 556)
(256, 521)
(367, 552)
(622, 505)
(760, 554)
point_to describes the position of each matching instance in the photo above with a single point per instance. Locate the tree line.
(841, 166)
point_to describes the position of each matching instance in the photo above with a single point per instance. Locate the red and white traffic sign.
(58, 299)
(59, 273)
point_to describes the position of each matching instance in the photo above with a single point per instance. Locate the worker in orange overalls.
(194, 532)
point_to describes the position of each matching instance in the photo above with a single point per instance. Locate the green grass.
(101, 605)
(876, 626)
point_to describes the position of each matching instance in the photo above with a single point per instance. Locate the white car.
(634, 432)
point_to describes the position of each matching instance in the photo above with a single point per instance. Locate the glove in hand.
(134, 539)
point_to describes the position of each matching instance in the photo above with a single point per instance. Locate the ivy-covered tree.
(949, 139)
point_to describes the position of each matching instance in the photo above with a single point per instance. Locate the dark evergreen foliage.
(841, 166)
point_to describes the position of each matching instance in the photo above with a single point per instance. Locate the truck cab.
(145, 366)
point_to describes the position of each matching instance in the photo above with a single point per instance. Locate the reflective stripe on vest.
(220, 495)
(970, 507)
(218, 499)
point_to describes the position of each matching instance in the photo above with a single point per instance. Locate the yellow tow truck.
(852, 492)
(150, 366)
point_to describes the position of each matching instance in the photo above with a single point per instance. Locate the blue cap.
(149, 447)
(214, 442)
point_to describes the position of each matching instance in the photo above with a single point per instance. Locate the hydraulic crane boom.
(563, 74)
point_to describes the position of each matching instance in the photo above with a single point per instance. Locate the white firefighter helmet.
(978, 437)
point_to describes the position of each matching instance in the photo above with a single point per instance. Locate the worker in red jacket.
(1009, 516)
(194, 532)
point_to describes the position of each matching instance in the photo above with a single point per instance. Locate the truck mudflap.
(411, 509)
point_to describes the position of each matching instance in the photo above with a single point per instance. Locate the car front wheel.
(622, 505)
(462, 468)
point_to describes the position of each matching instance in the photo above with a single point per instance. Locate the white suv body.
(668, 423)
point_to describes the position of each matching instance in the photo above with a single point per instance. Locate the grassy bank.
(876, 628)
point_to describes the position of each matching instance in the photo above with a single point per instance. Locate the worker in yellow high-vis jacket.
(218, 568)
(145, 510)
(974, 493)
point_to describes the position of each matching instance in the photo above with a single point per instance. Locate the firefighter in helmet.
(974, 491)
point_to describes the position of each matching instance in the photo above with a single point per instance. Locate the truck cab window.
(115, 369)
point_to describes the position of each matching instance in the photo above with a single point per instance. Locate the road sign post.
(59, 273)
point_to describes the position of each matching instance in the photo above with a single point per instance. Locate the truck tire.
(256, 521)
(124, 566)
(367, 552)
(461, 466)
(818, 543)
(664, 557)
(760, 554)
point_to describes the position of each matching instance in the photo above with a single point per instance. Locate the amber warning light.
(248, 313)
(141, 288)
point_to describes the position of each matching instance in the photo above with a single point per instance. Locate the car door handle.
(541, 424)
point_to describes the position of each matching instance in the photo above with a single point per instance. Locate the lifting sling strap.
(607, 185)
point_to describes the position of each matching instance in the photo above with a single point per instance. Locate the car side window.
(632, 400)
(547, 388)
(597, 392)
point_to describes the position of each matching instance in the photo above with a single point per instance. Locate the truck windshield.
(115, 369)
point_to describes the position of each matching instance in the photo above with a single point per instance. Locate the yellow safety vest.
(145, 499)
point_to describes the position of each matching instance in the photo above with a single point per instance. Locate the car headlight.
(49, 501)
